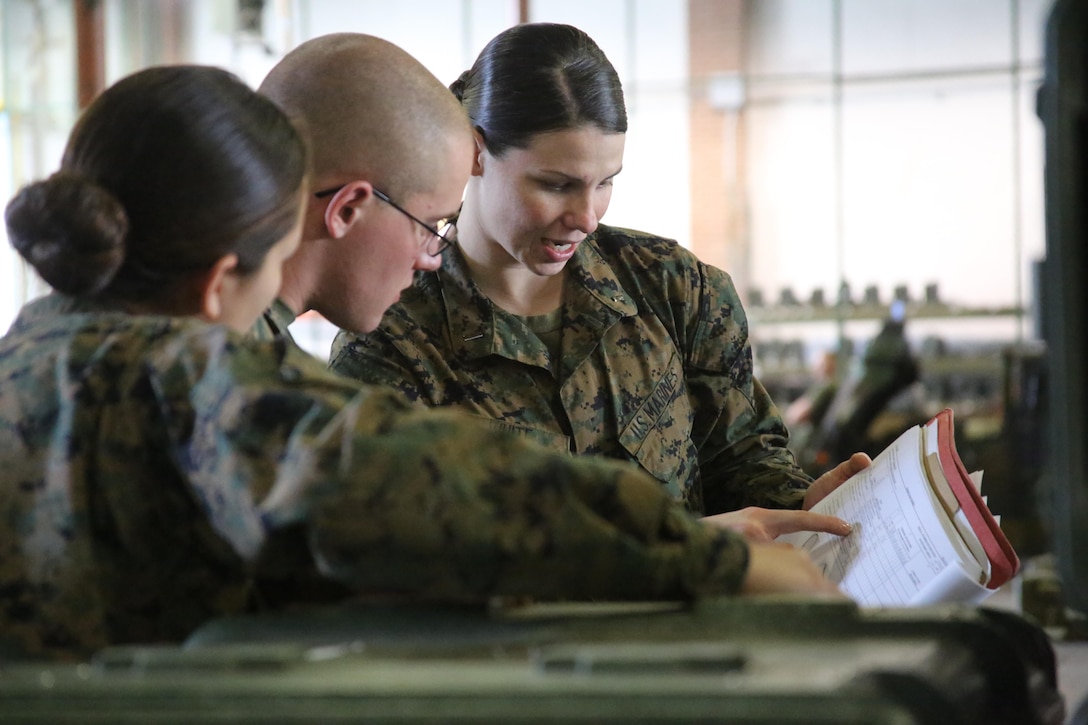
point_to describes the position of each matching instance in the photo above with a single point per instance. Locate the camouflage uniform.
(274, 322)
(159, 471)
(655, 368)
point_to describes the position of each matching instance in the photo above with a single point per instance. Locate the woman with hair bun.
(587, 338)
(161, 468)
(172, 172)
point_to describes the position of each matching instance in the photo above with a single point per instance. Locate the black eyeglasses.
(441, 236)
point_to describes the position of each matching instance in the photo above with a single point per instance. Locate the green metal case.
(717, 661)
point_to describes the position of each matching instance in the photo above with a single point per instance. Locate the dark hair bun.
(458, 86)
(71, 230)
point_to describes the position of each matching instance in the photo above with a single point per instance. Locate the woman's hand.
(764, 525)
(781, 568)
(834, 478)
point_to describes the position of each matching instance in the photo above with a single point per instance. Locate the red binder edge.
(1003, 560)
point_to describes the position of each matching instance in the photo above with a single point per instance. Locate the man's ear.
(345, 208)
(478, 156)
(213, 284)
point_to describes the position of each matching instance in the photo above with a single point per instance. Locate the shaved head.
(377, 112)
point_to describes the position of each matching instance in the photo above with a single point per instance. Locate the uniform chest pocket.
(549, 439)
(658, 436)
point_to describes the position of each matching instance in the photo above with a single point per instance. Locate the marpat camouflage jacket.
(655, 368)
(158, 472)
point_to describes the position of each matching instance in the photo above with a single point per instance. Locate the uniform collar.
(279, 316)
(472, 317)
(594, 280)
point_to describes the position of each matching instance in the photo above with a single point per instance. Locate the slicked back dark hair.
(540, 77)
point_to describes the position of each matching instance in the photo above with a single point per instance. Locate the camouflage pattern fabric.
(274, 322)
(655, 369)
(158, 472)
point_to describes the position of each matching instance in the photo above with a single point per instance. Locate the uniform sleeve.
(455, 509)
(395, 498)
(743, 455)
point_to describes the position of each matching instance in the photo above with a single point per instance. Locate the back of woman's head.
(540, 77)
(166, 172)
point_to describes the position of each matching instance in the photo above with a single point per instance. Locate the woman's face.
(538, 203)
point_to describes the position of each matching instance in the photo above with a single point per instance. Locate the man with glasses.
(391, 154)
(437, 238)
